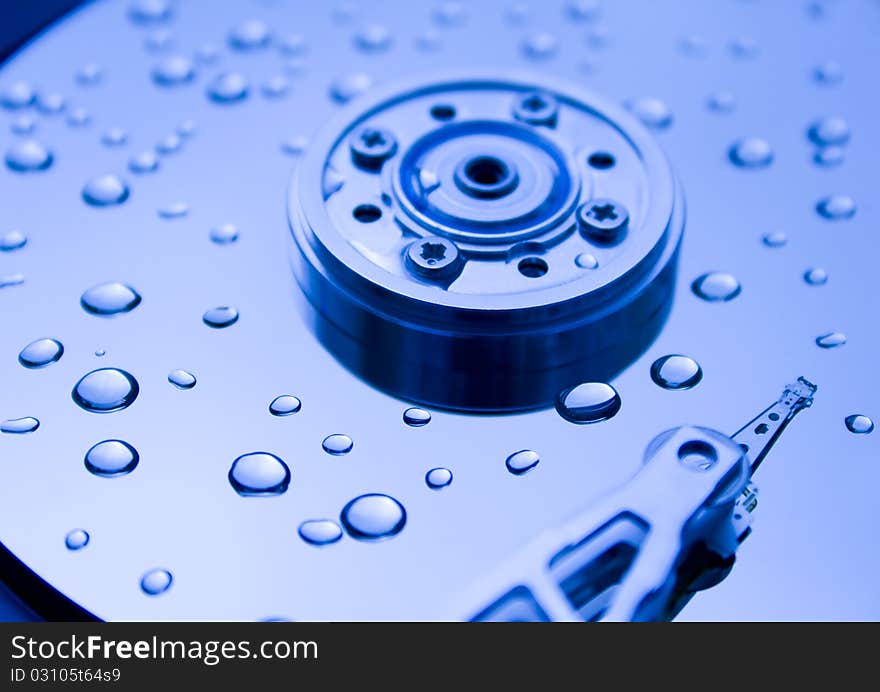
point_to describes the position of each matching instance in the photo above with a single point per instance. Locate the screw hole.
(761, 429)
(773, 416)
(533, 267)
(443, 112)
(367, 213)
(601, 160)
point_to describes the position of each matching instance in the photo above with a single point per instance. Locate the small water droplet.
(114, 137)
(220, 317)
(859, 424)
(438, 478)
(836, 207)
(147, 12)
(40, 353)
(721, 102)
(320, 531)
(105, 390)
(89, 74)
(79, 117)
(774, 239)
(590, 402)
(828, 73)
(583, 10)
(105, 190)
(653, 112)
(224, 234)
(169, 144)
(12, 240)
(293, 66)
(17, 95)
(249, 35)
(349, 86)
(716, 287)
(744, 48)
(284, 405)
(228, 87)
(23, 125)
(373, 517)
(293, 44)
(144, 162)
(100, 353)
(111, 459)
(187, 128)
(50, 102)
(829, 156)
(156, 581)
(175, 210)
(693, 46)
(259, 474)
(158, 40)
(276, 87)
(173, 71)
(751, 152)
(676, 372)
(586, 261)
(337, 444)
(294, 146)
(373, 38)
(28, 156)
(597, 37)
(207, 54)
(7, 280)
(540, 46)
(833, 130)
(816, 276)
(76, 539)
(19, 426)
(831, 340)
(110, 298)
(182, 379)
(522, 461)
(416, 417)
(449, 13)
(428, 40)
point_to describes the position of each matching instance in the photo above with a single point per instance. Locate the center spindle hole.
(486, 170)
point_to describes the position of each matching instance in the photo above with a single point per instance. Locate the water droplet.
(50, 103)
(293, 44)
(259, 474)
(175, 210)
(40, 353)
(320, 531)
(293, 66)
(828, 73)
(110, 298)
(416, 417)
(653, 112)
(19, 426)
(586, 261)
(187, 128)
(721, 102)
(144, 162)
(207, 54)
(224, 234)
(169, 144)
(100, 353)
(182, 379)
(540, 46)
(275, 87)
(294, 146)
(79, 117)
(438, 478)
(428, 40)
(76, 539)
(693, 46)
(449, 13)
(249, 35)
(522, 461)
(89, 74)
(173, 71)
(23, 125)
(28, 156)
(158, 40)
(284, 405)
(373, 517)
(346, 88)
(751, 152)
(816, 276)
(150, 11)
(676, 372)
(114, 137)
(774, 239)
(744, 48)
(590, 402)
(337, 444)
(859, 424)
(105, 190)
(220, 317)
(831, 340)
(836, 207)
(12, 240)
(597, 37)
(228, 87)
(105, 390)
(156, 581)
(111, 459)
(17, 95)
(583, 10)
(373, 38)
(829, 156)
(11, 280)
(833, 130)
(716, 287)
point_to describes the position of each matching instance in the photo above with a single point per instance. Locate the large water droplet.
(416, 417)
(228, 87)
(19, 426)
(182, 379)
(676, 372)
(349, 86)
(859, 424)
(816, 276)
(373, 517)
(373, 38)
(831, 340)
(249, 35)
(438, 478)
(833, 130)
(337, 444)
(716, 287)
(224, 234)
(105, 390)
(836, 207)
(150, 11)
(320, 531)
(17, 95)
(28, 156)
(105, 190)
(522, 461)
(259, 474)
(173, 71)
(76, 539)
(220, 317)
(540, 46)
(12, 240)
(110, 298)
(590, 402)
(751, 152)
(156, 581)
(111, 459)
(144, 162)
(40, 353)
(284, 405)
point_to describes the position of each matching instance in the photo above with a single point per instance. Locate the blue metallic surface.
(812, 554)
